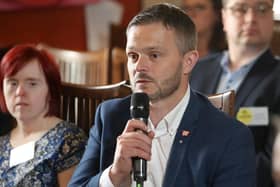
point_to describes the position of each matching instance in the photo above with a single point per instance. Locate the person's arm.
(89, 168)
(105, 180)
(129, 144)
(69, 153)
(65, 176)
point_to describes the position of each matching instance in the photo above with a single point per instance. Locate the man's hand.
(135, 141)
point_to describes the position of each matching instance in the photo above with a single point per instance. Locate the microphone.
(139, 109)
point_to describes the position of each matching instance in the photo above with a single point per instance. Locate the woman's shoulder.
(4, 142)
(64, 134)
(68, 129)
(4, 137)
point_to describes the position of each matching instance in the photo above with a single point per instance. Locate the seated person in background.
(188, 142)
(41, 150)
(249, 68)
(206, 15)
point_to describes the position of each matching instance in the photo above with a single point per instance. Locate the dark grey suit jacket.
(261, 87)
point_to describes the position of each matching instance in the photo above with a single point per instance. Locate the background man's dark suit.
(218, 152)
(261, 87)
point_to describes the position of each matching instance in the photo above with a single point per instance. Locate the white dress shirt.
(231, 80)
(161, 145)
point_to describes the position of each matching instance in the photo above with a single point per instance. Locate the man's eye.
(154, 55)
(133, 57)
(263, 8)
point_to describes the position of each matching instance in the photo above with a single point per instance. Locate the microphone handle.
(139, 169)
(140, 165)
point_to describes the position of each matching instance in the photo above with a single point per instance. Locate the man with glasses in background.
(249, 68)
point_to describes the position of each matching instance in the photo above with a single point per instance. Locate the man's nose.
(251, 14)
(142, 63)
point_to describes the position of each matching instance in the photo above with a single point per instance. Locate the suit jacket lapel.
(217, 71)
(215, 75)
(264, 66)
(181, 141)
(212, 70)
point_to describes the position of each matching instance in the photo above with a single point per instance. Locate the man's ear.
(190, 59)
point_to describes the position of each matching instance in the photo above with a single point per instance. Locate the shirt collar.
(172, 120)
(225, 61)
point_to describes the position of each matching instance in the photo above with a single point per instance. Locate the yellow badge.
(245, 116)
(255, 116)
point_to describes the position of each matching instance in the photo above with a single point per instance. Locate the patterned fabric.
(59, 149)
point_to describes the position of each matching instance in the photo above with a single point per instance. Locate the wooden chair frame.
(224, 101)
(81, 67)
(79, 102)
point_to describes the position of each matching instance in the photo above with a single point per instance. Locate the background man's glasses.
(260, 9)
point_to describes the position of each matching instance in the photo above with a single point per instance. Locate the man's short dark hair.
(171, 17)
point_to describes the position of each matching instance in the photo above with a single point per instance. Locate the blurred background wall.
(72, 24)
(61, 25)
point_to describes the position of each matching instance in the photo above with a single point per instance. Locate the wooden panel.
(57, 26)
(85, 99)
(62, 27)
(275, 43)
(130, 9)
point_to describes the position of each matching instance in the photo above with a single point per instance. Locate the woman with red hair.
(41, 149)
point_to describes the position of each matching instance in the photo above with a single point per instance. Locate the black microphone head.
(139, 107)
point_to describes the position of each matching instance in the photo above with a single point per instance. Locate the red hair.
(17, 57)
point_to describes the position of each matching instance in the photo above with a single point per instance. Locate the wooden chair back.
(81, 67)
(275, 42)
(119, 65)
(224, 101)
(79, 102)
(117, 42)
(117, 36)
